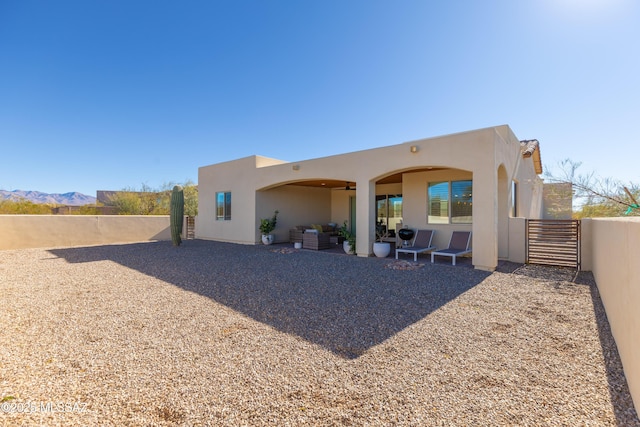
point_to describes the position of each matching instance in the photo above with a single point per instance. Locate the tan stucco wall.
(586, 244)
(615, 255)
(234, 177)
(477, 155)
(48, 231)
(296, 205)
(517, 236)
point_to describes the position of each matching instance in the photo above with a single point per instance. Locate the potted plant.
(381, 248)
(349, 244)
(267, 225)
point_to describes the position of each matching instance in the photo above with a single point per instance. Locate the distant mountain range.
(70, 199)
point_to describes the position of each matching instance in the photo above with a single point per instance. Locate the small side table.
(336, 240)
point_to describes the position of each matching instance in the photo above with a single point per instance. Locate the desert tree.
(190, 199)
(126, 202)
(595, 196)
(148, 201)
(190, 191)
(24, 207)
(91, 209)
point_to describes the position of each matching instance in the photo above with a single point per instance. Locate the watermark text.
(50, 407)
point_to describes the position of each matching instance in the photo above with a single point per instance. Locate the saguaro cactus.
(177, 214)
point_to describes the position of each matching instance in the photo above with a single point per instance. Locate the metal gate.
(553, 242)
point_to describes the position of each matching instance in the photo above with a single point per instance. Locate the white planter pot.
(267, 239)
(346, 246)
(381, 249)
(297, 245)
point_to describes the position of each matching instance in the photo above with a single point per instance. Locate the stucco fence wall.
(48, 231)
(611, 250)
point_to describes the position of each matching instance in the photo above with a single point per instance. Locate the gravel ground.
(218, 334)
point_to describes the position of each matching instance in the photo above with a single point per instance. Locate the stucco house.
(485, 181)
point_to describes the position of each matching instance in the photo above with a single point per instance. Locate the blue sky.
(106, 95)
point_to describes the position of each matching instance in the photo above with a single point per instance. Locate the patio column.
(365, 217)
(485, 219)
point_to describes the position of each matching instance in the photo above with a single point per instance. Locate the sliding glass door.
(388, 213)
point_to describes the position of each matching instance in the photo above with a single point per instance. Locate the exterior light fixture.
(414, 149)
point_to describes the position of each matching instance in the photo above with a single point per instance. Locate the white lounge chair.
(458, 245)
(421, 243)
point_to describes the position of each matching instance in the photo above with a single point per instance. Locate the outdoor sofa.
(314, 236)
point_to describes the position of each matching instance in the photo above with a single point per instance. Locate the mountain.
(70, 199)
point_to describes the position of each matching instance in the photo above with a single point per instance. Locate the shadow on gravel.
(346, 304)
(623, 406)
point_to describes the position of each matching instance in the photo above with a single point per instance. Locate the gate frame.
(577, 235)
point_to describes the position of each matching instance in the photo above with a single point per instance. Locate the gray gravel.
(222, 334)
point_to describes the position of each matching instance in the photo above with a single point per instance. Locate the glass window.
(461, 202)
(223, 205)
(438, 203)
(514, 199)
(450, 202)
